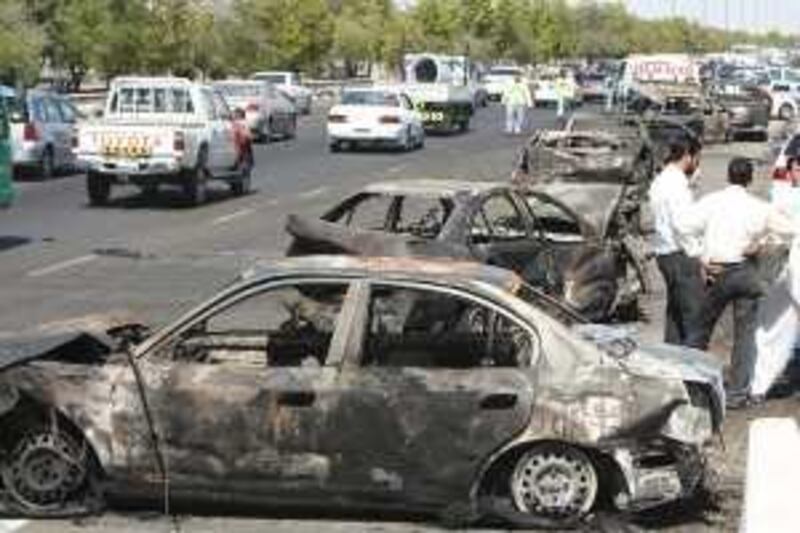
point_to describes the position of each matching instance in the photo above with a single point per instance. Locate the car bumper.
(393, 134)
(125, 170)
(658, 475)
(26, 154)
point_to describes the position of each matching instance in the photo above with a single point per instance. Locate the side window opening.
(410, 327)
(500, 218)
(552, 221)
(370, 213)
(291, 325)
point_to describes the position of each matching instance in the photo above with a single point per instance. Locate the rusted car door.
(249, 381)
(433, 383)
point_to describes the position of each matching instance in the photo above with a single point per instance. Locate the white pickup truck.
(163, 131)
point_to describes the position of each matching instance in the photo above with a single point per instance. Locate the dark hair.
(681, 145)
(740, 171)
(791, 162)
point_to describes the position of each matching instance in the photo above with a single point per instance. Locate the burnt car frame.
(360, 383)
(586, 259)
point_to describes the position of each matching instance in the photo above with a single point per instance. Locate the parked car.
(538, 233)
(6, 185)
(785, 100)
(431, 386)
(268, 112)
(594, 87)
(375, 116)
(163, 131)
(292, 86)
(748, 112)
(498, 78)
(43, 125)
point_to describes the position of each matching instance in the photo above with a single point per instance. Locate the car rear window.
(504, 72)
(240, 90)
(17, 110)
(272, 78)
(126, 100)
(370, 98)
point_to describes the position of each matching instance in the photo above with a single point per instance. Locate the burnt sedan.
(586, 259)
(364, 383)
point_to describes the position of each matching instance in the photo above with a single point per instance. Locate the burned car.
(686, 105)
(582, 259)
(359, 383)
(749, 109)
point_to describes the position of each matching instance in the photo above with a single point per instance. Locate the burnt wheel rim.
(44, 471)
(556, 482)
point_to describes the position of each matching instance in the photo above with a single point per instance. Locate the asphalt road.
(60, 259)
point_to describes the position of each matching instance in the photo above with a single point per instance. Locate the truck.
(163, 131)
(443, 89)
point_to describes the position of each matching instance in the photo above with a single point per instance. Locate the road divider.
(61, 265)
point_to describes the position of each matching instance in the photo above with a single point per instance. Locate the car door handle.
(497, 402)
(296, 399)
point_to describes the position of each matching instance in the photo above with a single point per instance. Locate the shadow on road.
(167, 198)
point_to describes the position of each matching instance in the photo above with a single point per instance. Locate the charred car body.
(536, 232)
(686, 105)
(363, 383)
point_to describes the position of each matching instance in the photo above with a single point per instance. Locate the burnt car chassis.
(588, 260)
(380, 383)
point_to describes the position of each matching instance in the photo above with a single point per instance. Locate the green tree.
(21, 43)
(288, 34)
(79, 30)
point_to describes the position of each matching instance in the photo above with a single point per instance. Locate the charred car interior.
(377, 383)
(536, 232)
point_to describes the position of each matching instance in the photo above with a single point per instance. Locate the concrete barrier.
(772, 483)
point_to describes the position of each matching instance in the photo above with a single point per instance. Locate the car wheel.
(335, 147)
(98, 188)
(786, 112)
(47, 471)
(47, 164)
(150, 190)
(554, 481)
(194, 188)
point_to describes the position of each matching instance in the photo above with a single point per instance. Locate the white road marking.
(61, 265)
(319, 191)
(224, 219)
(395, 169)
(8, 526)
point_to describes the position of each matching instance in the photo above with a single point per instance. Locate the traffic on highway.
(466, 289)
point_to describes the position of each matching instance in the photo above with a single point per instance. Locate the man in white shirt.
(732, 223)
(676, 253)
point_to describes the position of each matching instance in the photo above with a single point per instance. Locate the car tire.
(194, 187)
(335, 147)
(98, 188)
(46, 168)
(49, 471)
(150, 191)
(786, 112)
(572, 484)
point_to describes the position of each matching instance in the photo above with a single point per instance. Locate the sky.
(753, 15)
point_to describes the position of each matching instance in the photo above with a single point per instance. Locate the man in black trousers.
(732, 224)
(677, 253)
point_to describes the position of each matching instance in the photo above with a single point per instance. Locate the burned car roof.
(446, 271)
(433, 187)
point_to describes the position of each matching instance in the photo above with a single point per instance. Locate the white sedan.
(375, 116)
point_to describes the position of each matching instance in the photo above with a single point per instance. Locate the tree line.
(230, 37)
